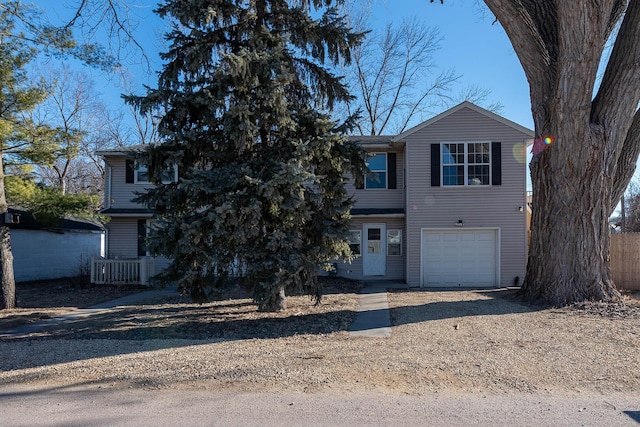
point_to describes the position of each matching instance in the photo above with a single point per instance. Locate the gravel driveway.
(442, 342)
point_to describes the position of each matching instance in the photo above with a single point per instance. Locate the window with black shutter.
(466, 164)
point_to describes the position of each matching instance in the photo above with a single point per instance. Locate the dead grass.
(41, 300)
(442, 342)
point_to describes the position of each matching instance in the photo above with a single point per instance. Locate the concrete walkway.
(373, 318)
(80, 313)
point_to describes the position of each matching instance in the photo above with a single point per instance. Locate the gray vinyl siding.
(395, 265)
(477, 206)
(123, 241)
(381, 198)
(122, 193)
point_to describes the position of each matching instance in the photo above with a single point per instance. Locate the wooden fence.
(625, 260)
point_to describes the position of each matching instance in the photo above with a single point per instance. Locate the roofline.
(378, 215)
(122, 152)
(129, 215)
(472, 106)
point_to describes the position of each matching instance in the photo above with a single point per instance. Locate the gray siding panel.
(380, 198)
(123, 238)
(121, 192)
(123, 241)
(493, 206)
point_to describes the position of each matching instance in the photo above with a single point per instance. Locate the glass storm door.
(374, 255)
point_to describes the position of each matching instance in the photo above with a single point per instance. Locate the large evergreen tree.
(261, 166)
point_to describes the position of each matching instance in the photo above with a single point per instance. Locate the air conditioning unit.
(11, 218)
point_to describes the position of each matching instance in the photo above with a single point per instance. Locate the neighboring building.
(127, 229)
(447, 209)
(43, 252)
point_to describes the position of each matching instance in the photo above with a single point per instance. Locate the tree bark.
(276, 301)
(586, 148)
(8, 297)
(569, 249)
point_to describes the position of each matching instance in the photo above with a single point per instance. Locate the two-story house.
(447, 207)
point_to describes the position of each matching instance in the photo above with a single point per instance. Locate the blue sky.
(478, 49)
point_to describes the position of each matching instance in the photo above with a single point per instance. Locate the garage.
(459, 258)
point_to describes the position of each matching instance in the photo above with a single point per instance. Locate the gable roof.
(472, 106)
(123, 151)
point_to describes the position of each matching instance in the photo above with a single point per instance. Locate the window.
(466, 163)
(141, 176)
(377, 164)
(394, 242)
(355, 239)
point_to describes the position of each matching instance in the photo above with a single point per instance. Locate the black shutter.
(142, 237)
(391, 171)
(435, 165)
(496, 163)
(129, 171)
(360, 186)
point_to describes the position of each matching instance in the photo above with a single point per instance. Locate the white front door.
(374, 257)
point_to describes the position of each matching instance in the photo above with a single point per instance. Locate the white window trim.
(386, 173)
(466, 164)
(144, 169)
(359, 232)
(389, 230)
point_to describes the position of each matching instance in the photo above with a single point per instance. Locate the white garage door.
(459, 258)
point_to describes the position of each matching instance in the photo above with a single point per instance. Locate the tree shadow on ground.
(176, 325)
(161, 326)
(634, 415)
(497, 302)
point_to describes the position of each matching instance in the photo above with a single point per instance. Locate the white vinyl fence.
(122, 271)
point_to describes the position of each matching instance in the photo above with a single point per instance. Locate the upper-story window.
(466, 163)
(384, 167)
(138, 174)
(378, 164)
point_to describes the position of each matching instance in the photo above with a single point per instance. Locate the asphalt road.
(93, 405)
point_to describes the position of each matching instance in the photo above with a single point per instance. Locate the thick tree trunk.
(594, 141)
(8, 297)
(569, 250)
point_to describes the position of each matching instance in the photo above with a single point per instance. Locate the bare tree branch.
(390, 76)
(619, 91)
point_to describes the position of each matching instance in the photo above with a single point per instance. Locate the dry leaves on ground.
(41, 300)
(444, 341)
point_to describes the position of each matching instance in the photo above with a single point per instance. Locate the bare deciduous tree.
(394, 77)
(22, 26)
(586, 146)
